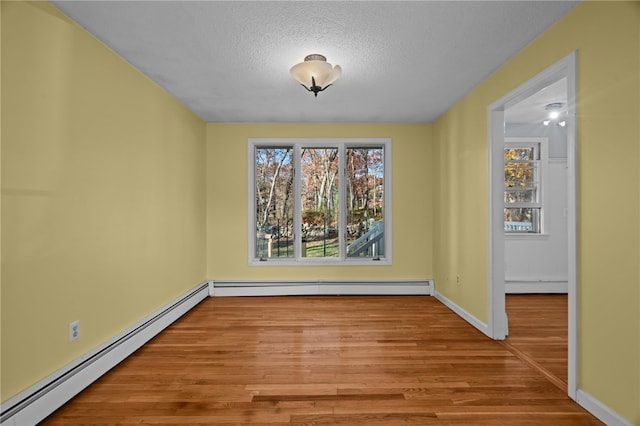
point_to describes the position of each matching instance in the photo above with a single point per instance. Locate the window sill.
(320, 262)
(525, 236)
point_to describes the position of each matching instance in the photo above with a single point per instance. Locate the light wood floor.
(538, 327)
(324, 360)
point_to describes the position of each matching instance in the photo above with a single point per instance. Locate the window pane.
(274, 202)
(519, 174)
(365, 202)
(319, 199)
(527, 153)
(521, 219)
(520, 195)
(306, 192)
(522, 186)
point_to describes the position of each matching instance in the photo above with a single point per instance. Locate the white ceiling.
(533, 109)
(402, 61)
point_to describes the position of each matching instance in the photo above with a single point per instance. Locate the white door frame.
(498, 326)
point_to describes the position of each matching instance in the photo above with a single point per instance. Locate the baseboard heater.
(40, 400)
(321, 287)
(527, 285)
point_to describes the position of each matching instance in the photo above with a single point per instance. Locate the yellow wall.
(103, 194)
(227, 201)
(460, 207)
(103, 183)
(606, 37)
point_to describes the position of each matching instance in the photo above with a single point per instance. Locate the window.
(524, 169)
(319, 201)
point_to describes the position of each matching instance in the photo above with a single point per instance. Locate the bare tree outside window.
(274, 202)
(365, 200)
(316, 201)
(319, 193)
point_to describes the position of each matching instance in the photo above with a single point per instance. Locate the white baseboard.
(600, 410)
(536, 287)
(43, 398)
(471, 319)
(589, 403)
(296, 288)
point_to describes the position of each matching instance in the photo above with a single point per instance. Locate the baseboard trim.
(297, 288)
(470, 318)
(536, 287)
(43, 398)
(600, 410)
(586, 401)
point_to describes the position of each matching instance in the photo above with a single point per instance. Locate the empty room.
(320, 212)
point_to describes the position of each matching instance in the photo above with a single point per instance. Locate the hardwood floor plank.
(538, 333)
(327, 360)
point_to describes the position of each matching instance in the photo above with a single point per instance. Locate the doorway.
(562, 71)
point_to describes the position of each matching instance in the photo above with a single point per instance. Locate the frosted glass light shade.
(315, 73)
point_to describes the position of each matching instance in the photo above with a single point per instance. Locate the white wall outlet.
(74, 330)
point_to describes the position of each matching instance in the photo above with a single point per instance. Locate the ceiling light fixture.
(315, 74)
(554, 112)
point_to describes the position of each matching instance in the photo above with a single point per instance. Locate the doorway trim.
(498, 325)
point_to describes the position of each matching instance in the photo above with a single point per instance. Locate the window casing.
(319, 201)
(525, 162)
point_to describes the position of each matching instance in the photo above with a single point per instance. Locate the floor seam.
(555, 380)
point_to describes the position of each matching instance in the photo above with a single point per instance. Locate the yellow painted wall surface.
(103, 194)
(227, 201)
(606, 37)
(105, 216)
(460, 207)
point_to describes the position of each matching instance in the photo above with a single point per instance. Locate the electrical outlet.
(458, 279)
(74, 330)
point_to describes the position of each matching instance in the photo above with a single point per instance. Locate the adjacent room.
(266, 212)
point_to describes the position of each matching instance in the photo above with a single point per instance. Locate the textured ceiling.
(402, 61)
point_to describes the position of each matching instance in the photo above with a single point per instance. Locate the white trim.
(341, 144)
(572, 259)
(467, 316)
(497, 317)
(525, 237)
(43, 398)
(600, 410)
(565, 67)
(296, 288)
(586, 401)
(535, 286)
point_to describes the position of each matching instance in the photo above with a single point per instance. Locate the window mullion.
(523, 205)
(342, 202)
(297, 205)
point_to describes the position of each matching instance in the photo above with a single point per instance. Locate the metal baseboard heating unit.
(320, 287)
(40, 400)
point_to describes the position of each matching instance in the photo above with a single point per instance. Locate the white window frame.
(342, 144)
(542, 143)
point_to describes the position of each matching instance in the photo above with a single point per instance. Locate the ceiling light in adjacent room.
(554, 112)
(315, 74)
